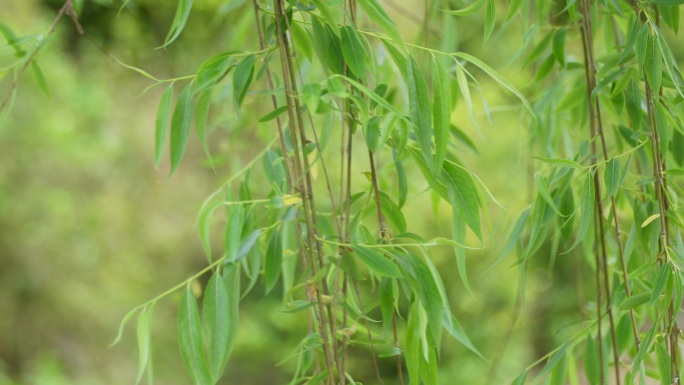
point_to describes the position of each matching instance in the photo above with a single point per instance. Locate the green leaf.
(274, 260)
(377, 262)
(161, 123)
(215, 322)
(392, 212)
(354, 52)
(327, 46)
(666, 2)
(371, 133)
(592, 361)
(663, 361)
(563, 163)
(513, 8)
(465, 93)
(301, 40)
(586, 214)
(490, 19)
(469, 10)
(378, 15)
(634, 301)
(520, 380)
(653, 65)
(613, 177)
(190, 340)
(441, 113)
(273, 114)
(213, 70)
(660, 282)
(650, 219)
(40, 78)
(496, 76)
(558, 46)
(419, 105)
(402, 180)
(242, 78)
(231, 278)
(180, 126)
(454, 328)
(144, 331)
(179, 21)
(122, 324)
(543, 188)
(201, 117)
(328, 14)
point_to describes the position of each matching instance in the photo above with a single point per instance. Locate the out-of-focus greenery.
(89, 229)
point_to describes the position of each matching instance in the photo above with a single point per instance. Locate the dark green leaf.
(162, 123)
(180, 126)
(558, 46)
(653, 65)
(190, 340)
(377, 262)
(273, 114)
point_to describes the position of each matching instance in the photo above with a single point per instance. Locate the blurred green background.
(89, 228)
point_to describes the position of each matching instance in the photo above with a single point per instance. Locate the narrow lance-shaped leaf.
(441, 113)
(190, 339)
(201, 117)
(274, 260)
(242, 78)
(653, 66)
(353, 51)
(162, 123)
(180, 126)
(490, 19)
(392, 212)
(378, 15)
(664, 362)
(586, 214)
(144, 334)
(465, 93)
(40, 78)
(419, 105)
(377, 262)
(660, 282)
(179, 21)
(215, 318)
(469, 10)
(612, 177)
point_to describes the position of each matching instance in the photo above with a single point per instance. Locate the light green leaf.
(354, 52)
(213, 70)
(663, 361)
(592, 361)
(558, 46)
(660, 282)
(179, 21)
(543, 188)
(586, 214)
(215, 322)
(441, 114)
(650, 219)
(301, 40)
(490, 19)
(180, 126)
(653, 65)
(242, 78)
(274, 260)
(469, 10)
(613, 176)
(201, 117)
(161, 124)
(392, 212)
(377, 262)
(419, 104)
(454, 328)
(634, 301)
(328, 14)
(378, 15)
(40, 78)
(513, 8)
(371, 133)
(496, 76)
(563, 163)
(144, 334)
(190, 340)
(465, 93)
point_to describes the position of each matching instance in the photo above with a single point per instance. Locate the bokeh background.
(89, 228)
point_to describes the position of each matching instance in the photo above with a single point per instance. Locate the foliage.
(338, 90)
